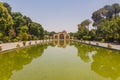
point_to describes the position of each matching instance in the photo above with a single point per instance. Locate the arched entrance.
(61, 36)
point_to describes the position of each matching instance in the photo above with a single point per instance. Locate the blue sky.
(58, 15)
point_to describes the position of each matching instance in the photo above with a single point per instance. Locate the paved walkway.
(113, 46)
(9, 46)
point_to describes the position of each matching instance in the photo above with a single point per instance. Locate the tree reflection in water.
(107, 63)
(85, 52)
(17, 59)
(104, 62)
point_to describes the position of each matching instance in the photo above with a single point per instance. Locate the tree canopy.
(15, 26)
(106, 21)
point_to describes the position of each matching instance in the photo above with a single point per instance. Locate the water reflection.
(61, 43)
(87, 59)
(107, 64)
(84, 52)
(16, 60)
(104, 62)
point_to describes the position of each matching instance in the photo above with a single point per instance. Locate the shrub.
(6, 38)
(24, 43)
(103, 40)
(0, 48)
(17, 45)
(1, 42)
(25, 36)
(97, 44)
(86, 37)
(99, 38)
(14, 40)
(35, 42)
(18, 38)
(81, 40)
(30, 43)
(89, 42)
(109, 46)
(110, 38)
(35, 38)
(84, 41)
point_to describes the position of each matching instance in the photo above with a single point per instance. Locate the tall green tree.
(36, 30)
(6, 21)
(18, 21)
(8, 7)
(82, 31)
(86, 22)
(116, 9)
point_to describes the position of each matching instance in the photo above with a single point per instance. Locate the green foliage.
(18, 46)
(12, 33)
(35, 42)
(97, 44)
(106, 23)
(18, 38)
(36, 30)
(103, 40)
(86, 37)
(24, 36)
(82, 31)
(8, 7)
(23, 29)
(6, 39)
(14, 40)
(107, 12)
(109, 46)
(0, 48)
(5, 20)
(15, 27)
(85, 23)
(109, 29)
(52, 33)
(1, 35)
(24, 43)
(99, 38)
(35, 38)
(92, 33)
(30, 43)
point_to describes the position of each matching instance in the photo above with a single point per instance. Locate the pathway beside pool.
(9, 46)
(101, 44)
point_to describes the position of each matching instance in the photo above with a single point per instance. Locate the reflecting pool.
(60, 61)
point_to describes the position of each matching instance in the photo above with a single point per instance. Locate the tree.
(8, 7)
(6, 21)
(98, 15)
(108, 29)
(52, 33)
(116, 9)
(27, 22)
(36, 30)
(86, 22)
(82, 31)
(24, 36)
(12, 33)
(109, 11)
(24, 29)
(92, 33)
(18, 21)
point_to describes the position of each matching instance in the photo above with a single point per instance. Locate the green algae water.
(60, 61)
